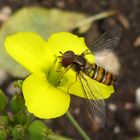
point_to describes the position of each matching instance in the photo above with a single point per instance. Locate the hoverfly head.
(67, 58)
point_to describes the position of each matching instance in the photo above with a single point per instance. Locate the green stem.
(77, 126)
(29, 119)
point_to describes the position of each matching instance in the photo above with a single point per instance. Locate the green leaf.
(40, 20)
(3, 100)
(137, 138)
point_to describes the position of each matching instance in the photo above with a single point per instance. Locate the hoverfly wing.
(96, 106)
(107, 42)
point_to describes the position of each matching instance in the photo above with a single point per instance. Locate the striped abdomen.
(99, 74)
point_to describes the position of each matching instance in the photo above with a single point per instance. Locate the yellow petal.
(72, 85)
(43, 99)
(27, 48)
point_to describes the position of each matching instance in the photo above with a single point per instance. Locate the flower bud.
(9, 130)
(20, 117)
(11, 118)
(18, 132)
(3, 134)
(3, 100)
(3, 121)
(38, 131)
(17, 103)
(18, 84)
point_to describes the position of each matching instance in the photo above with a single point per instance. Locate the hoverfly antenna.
(85, 52)
(60, 52)
(60, 56)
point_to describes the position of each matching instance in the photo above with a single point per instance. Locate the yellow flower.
(42, 98)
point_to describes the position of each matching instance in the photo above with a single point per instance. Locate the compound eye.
(67, 58)
(67, 61)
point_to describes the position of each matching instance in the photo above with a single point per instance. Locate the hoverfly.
(107, 42)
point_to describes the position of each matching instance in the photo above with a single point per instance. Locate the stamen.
(56, 72)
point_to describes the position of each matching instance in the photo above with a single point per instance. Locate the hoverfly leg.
(85, 52)
(59, 56)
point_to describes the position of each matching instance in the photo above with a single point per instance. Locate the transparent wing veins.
(107, 41)
(96, 107)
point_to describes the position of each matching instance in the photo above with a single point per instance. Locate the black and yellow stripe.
(99, 74)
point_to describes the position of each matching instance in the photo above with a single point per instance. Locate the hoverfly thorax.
(79, 63)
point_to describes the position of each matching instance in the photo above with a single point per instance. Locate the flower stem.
(29, 119)
(77, 126)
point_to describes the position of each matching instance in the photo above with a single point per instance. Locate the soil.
(121, 109)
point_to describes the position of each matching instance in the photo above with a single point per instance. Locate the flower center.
(56, 73)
